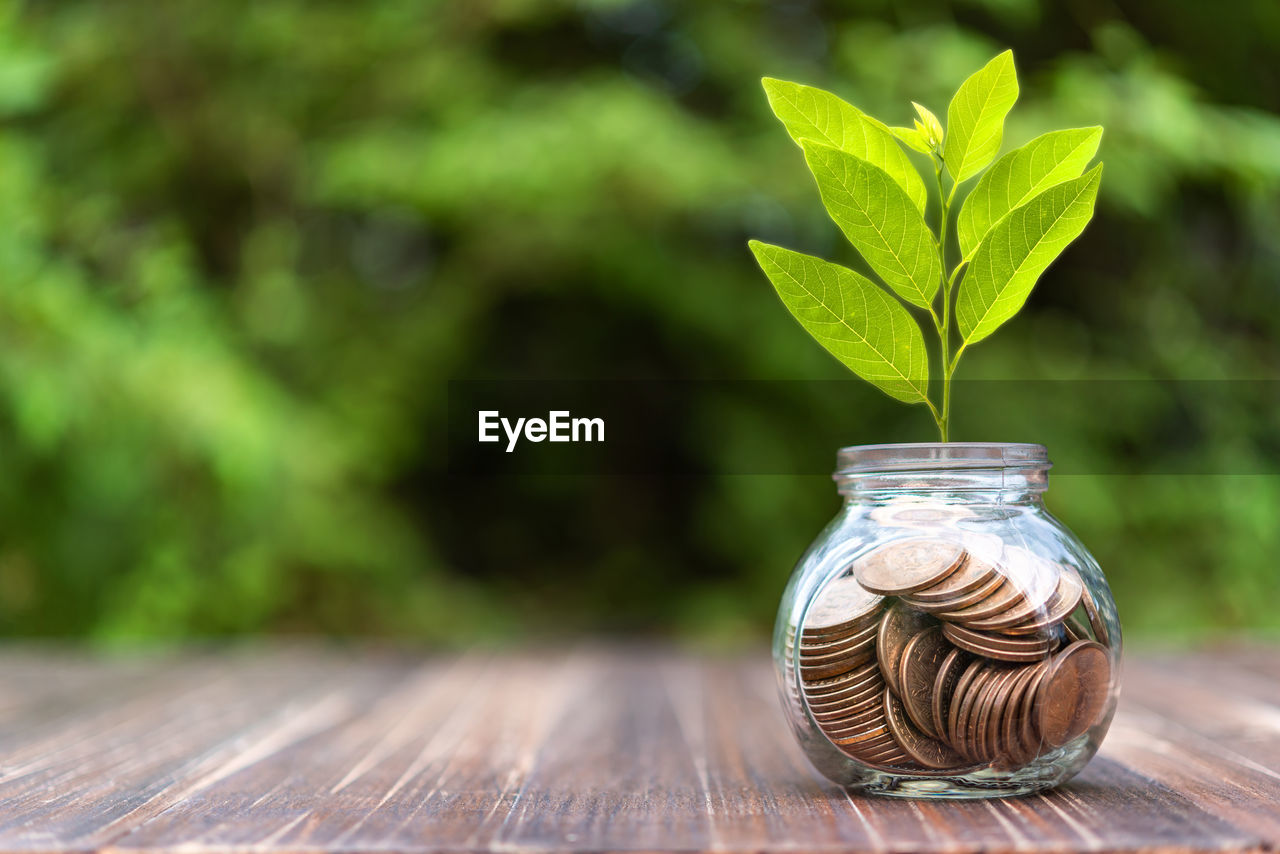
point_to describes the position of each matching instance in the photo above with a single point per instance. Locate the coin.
(835, 684)
(1076, 629)
(1030, 731)
(994, 582)
(851, 692)
(866, 636)
(1003, 597)
(1074, 692)
(852, 709)
(1012, 751)
(827, 654)
(989, 729)
(972, 575)
(904, 566)
(870, 736)
(918, 673)
(836, 665)
(898, 625)
(867, 719)
(997, 646)
(944, 688)
(927, 751)
(971, 672)
(961, 735)
(1035, 596)
(843, 607)
(1066, 598)
(1091, 610)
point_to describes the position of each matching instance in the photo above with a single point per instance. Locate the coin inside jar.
(918, 674)
(904, 566)
(899, 624)
(929, 752)
(843, 607)
(944, 688)
(1073, 692)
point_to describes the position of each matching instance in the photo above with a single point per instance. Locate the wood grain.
(304, 750)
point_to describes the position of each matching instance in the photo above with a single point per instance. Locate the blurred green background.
(244, 245)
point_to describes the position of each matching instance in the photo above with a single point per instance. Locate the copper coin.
(961, 735)
(944, 688)
(827, 653)
(972, 575)
(929, 752)
(834, 684)
(1031, 740)
(887, 752)
(838, 664)
(1074, 692)
(862, 637)
(1000, 752)
(979, 594)
(997, 646)
(854, 701)
(1091, 610)
(990, 736)
(854, 692)
(971, 672)
(1037, 590)
(988, 711)
(1004, 597)
(975, 724)
(825, 704)
(899, 624)
(918, 673)
(1076, 629)
(851, 727)
(842, 712)
(867, 737)
(903, 566)
(1011, 751)
(1065, 600)
(841, 607)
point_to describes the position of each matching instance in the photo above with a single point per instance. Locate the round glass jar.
(945, 636)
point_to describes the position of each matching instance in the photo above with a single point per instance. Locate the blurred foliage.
(246, 244)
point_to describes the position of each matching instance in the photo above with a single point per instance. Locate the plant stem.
(944, 329)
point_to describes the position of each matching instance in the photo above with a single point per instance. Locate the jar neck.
(938, 472)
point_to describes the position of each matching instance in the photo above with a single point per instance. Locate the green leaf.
(913, 138)
(879, 220)
(811, 113)
(1018, 176)
(928, 125)
(975, 118)
(862, 326)
(1018, 249)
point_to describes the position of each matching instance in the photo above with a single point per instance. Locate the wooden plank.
(80, 786)
(590, 750)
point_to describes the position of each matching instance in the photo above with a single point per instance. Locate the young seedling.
(1019, 216)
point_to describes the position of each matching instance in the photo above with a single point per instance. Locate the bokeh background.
(245, 245)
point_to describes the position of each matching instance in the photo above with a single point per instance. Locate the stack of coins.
(926, 656)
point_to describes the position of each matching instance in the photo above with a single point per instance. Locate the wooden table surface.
(305, 750)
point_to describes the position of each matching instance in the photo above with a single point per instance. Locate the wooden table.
(304, 750)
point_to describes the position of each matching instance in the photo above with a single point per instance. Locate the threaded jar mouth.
(940, 456)
(935, 467)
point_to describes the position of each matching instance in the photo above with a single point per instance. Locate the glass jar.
(945, 636)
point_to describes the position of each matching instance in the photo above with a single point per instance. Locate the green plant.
(1019, 216)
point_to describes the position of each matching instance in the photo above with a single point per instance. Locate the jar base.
(918, 788)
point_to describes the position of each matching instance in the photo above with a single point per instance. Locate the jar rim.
(941, 456)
